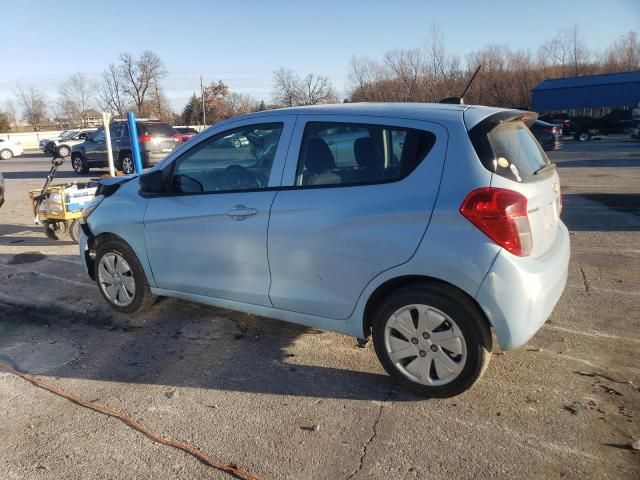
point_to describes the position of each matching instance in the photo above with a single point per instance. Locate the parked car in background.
(62, 146)
(1, 189)
(156, 140)
(43, 144)
(584, 128)
(558, 119)
(9, 149)
(549, 136)
(425, 243)
(634, 131)
(185, 133)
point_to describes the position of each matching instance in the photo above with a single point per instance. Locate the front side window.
(98, 136)
(236, 160)
(351, 154)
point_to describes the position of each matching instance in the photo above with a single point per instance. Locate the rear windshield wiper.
(546, 168)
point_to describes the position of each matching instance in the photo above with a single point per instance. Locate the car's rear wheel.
(79, 164)
(6, 154)
(126, 164)
(121, 278)
(63, 151)
(584, 136)
(432, 339)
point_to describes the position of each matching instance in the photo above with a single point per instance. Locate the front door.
(208, 235)
(95, 150)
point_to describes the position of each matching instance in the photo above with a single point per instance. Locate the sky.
(242, 42)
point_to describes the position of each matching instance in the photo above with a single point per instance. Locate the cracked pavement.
(288, 402)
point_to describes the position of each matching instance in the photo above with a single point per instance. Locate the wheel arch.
(391, 285)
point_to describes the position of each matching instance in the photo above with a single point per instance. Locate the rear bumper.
(519, 294)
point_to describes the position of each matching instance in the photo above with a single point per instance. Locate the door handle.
(240, 212)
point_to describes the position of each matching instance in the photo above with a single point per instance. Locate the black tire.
(79, 164)
(64, 151)
(463, 311)
(55, 230)
(6, 154)
(583, 136)
(74, 230)
(142, 297)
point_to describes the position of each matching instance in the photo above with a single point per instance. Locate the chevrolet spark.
(424, 226)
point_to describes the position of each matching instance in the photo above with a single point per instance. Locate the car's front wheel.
(432, 339)
(79, 164)
(121, 278)
(63, 151)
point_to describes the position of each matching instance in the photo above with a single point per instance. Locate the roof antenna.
(460, 100)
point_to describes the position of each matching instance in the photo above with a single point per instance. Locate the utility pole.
(204, 111)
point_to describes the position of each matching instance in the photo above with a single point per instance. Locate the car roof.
(418, 111)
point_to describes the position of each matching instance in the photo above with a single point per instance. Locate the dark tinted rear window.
(156, 129)
(517, 152)
(507, 147)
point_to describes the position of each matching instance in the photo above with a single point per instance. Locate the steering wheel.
(238, 177)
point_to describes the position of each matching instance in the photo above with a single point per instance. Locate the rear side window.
(352, 154)
(156, 129)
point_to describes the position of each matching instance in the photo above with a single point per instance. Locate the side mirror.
(152, 182)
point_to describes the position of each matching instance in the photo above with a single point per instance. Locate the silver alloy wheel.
(63, 151)
(425, 344)
(127, 165)
(6, 154)
(237, 143)
(116, 279)
(76, 163)
(584, 136)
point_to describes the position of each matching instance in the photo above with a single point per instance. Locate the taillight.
(144, 138)
(502, 216)
(179, 138)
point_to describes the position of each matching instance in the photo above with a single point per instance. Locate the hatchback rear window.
(509, 149)
(156, 129)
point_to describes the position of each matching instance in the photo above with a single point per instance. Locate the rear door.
(350, 207)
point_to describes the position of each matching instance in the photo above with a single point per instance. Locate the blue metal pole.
(135, 146)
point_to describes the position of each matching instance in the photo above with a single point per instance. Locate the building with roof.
(609, 90)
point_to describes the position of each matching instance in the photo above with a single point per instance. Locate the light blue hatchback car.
(424, 226)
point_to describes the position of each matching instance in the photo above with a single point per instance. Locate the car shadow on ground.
(584, 212)
(182, 344)
(13, 235)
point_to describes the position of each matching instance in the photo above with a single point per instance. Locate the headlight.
(91, 206)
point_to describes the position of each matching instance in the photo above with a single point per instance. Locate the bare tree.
(34, 105)
(624, 54)
(240, 104)
(11, 111)
(75, 97)
(138, 75)
(285, 87)
(290, 90)
(408, 67)
(111, 96)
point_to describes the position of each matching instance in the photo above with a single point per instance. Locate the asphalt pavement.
(288, 402)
